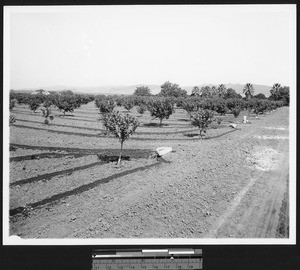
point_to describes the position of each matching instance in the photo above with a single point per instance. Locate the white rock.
(163, 150)
(233, 125)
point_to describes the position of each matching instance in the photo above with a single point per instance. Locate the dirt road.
(260, 209)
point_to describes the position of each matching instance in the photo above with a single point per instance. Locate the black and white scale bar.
(171, 259)
(150, 263)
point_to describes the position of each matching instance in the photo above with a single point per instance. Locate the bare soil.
(232, 184)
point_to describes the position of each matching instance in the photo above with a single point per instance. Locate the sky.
(82, 46)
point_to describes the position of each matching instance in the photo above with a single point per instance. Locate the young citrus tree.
(47, 112)
(235, 106)
(12, 103)
(12, 119)
(128, 103)
(121, 125)
(202, 118)
(34, 103)
(141, 109)
(105, 105)
(161, 108)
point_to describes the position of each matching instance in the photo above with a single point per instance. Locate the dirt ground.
(232, 184)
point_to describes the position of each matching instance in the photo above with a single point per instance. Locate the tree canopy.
(169, 89)
(280, 93)
(248, 90)
(142, 91)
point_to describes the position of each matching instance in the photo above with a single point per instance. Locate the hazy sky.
(125, 45)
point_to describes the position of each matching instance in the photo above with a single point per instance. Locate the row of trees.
(201, 110)
(65, 101)
(202, 105)
(168, 89)
(163, 107)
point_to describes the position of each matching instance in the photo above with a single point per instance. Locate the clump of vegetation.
(219, 105)
(248, 91)
(280, 93)
(47, 115)
(202, 118)
(189, 105)
(141, 109)
(259, 106)
(169, 89)
(105, 104)
(219, 120)
(235, 106)
(128, 103)
(161, 108)
(34, 103)
(142, 91)
(120, 125)
(12, 104)
(68, 102)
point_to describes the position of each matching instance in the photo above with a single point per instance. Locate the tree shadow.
(78, 190)
(183, 120)
(155, 125)
(223, 134)
(191, 135)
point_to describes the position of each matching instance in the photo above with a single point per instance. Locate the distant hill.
(155, 89)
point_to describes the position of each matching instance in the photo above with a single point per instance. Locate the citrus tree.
(222, 90)
(12, 104)
(34, 103)
(120, 125)
(235, 106)
(141, 109)
(161, 108)
(202, 118)
(67, 102)
(12, 119)
(47, 114)
(105, 105)
(142, 91)
(128, 103)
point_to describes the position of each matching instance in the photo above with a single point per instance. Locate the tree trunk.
(200, 137)
(160, 122)
(64, 113)
(120, 156)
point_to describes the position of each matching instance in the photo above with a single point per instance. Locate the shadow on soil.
(83, 188)
(209, 137)
(45, 155)
(184, 120)
(155, 125)
(48, 176)
(61, 125)
(102, 135)
(96, 129)
(134, 153)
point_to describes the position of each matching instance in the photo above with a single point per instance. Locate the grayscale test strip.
(158, 259)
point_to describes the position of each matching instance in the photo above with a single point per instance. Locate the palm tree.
(196, 91)
(214, 91)
(221, 90)
(248, 90)
(205, 91)
(275, 89)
